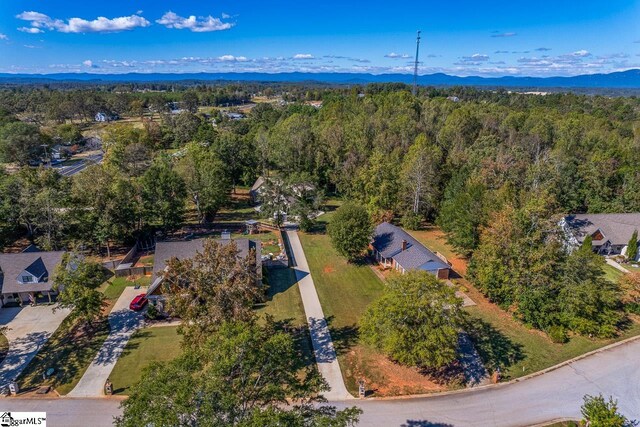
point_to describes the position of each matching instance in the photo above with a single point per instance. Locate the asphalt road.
(79, 166)
(557, 394)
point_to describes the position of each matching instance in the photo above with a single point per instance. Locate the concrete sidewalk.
(123, 322)
(320, 337)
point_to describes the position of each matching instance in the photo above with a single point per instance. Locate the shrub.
(152, 312)
(558, 334)
(411, 220)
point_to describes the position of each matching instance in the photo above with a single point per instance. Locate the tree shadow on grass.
(344, 337)
(301, 340)
(69, 351)
(496, 350)
(134, 342)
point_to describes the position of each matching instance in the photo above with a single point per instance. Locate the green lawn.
(612, 273)
(69, 351)
(517, 350)
(283, 297)
(73, 346)
(345, 291)
(157, 344)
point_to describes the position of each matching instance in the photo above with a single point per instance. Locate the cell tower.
(415, 68)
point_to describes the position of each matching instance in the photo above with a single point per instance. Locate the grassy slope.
(158, 344)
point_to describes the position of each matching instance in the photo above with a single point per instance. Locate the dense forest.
(495, 170)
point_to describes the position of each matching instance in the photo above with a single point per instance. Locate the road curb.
(514, 381)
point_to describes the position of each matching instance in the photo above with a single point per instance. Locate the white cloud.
(40, 21)
(394, 55)
(581, 53)
(303, 56)
(87, 63)
(30, 30)
(231, 58)
(193, 23)
(3, 37)
(225, 16)
(499, 34)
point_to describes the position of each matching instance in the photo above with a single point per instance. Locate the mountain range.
(619, 80)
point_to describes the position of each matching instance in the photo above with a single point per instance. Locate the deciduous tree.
(215, 285)
(77, 281)
(350, 230)
(416, 322)
(244, 375)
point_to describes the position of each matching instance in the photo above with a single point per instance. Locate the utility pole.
(415, 69)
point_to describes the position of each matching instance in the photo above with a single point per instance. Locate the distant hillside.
(619, 80)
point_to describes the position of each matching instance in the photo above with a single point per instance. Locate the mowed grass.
(504, 342)
(148, 345)
(283, 300)
(345, 291)
(69, 351)
(611, 273)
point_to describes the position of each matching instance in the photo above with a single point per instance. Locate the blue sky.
(541, 38)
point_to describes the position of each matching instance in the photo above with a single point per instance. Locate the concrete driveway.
(123, 323)
(556, 394)
(29, 329)
(323, 348)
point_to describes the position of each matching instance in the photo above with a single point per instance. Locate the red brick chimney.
(404, 245)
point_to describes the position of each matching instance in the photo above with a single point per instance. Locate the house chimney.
(404, 245)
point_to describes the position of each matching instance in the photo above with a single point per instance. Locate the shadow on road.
(424, 423)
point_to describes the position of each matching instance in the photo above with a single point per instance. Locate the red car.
(139, 302)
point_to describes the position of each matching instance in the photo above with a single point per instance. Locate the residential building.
(28, 276)
(394, 248)
(104, 117)
(165, 251)
(610, 233)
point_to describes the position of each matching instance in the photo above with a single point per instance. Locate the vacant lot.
(504, 342)
(345, 291)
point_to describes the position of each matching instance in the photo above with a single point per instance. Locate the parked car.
(139, 302)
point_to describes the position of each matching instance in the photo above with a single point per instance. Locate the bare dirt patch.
(328, 268)
(436, 240)
(385, 378)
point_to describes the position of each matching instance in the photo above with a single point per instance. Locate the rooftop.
(388, 240)
(616, 228)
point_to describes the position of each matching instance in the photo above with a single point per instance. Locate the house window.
(26, 279)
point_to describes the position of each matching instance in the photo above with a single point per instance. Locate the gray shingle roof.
(388, 241)
(40, 264)
(188, 249)
(616, 228)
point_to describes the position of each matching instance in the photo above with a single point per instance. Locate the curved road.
(556, 394)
